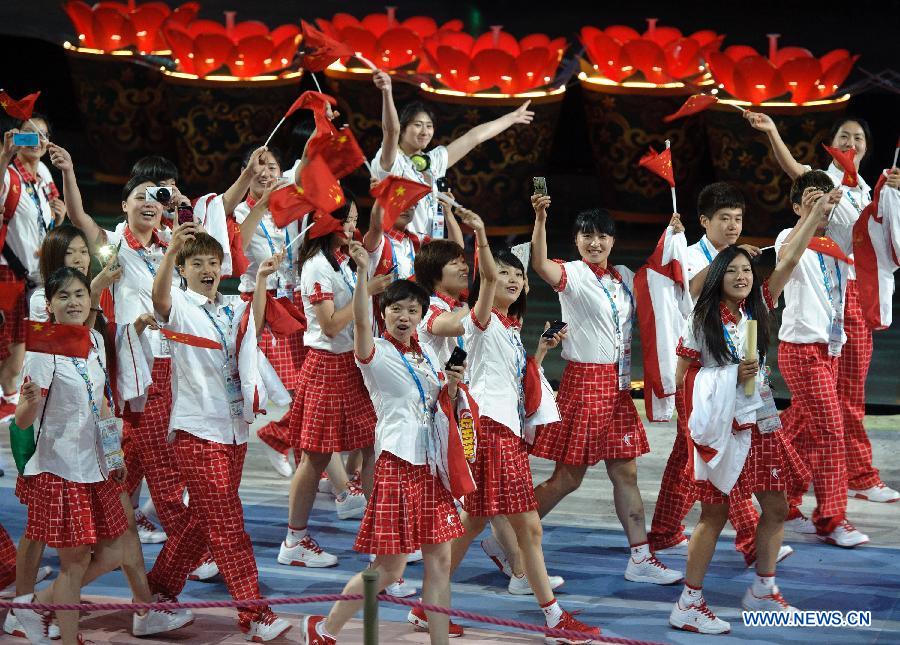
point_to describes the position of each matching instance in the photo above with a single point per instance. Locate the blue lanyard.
(82, 369)
(350, 286)
(415, 377)
(32, 190)
(849, 195)
(290, 252)
(394, 263)
(615, 310)
(705, 250)
(827, 281)
(521, 361)
(730, 342)
(142, 253)
(228, 312)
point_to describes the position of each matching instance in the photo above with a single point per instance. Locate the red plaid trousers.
(7, 559)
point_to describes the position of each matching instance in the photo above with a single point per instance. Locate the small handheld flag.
(21, 109)
(53, 338)
(396, 195)
(694, 105)
(660, 163)
(845, 161)
(190, 339)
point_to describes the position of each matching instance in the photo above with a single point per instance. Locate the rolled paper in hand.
(444, 197)
(750, 384)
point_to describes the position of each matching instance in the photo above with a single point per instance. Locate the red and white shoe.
(350, 503)
(207, 569)
(845, 535)
(325, 485)
(878, 493)
(697, 617)
(495, 552)
(651, 570)
(12, 627)
(572, 624)
(679, 548)
(799, 523)
(770, 602)
(35, 624)
(306, 553)
(783, 551)
(264, 627)
(311, 635)
(417, 617)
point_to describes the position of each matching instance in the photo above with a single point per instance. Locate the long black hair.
(707, 317)
(507, 257)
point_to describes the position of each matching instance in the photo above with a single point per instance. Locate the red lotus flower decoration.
(661, 54)
(383, 39)
(109, 26)
(747, 75)
(495, 59)
(246, 48)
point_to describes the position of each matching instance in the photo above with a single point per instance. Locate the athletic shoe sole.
(833, 542)
(690, 628)
(651, 580)
(876, 501)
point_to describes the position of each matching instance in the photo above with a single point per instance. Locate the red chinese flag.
(324, 224)
(844, 160)
(288, 204)
(190, 339)
(320, 187)
(310, 100)
(320, 50)
(827, 246)
(283, 316)
(63, 340)
(659, 163)
(695, 104)
(396, 195)
(20, 109)
(340, 150)
(10, 292)
(239, 261)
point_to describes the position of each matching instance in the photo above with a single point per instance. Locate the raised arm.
(814, 212)
(60, 158)
(458, 149)
(235, 193)
(390, 122)
(363, 342)
(260, 298)
(764, 123)
(454, 232)
(373, 236)
(251, 222)
(9, 149)
(162, 283)
(487, 267)
(550, 271)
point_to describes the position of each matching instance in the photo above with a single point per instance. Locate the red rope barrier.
(88, 607)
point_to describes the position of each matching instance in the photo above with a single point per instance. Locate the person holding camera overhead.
(406, 136)
(29, 206)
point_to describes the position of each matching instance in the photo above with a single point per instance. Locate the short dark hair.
(719, 195)
(54, 247)
(202, 244)
(810, 179)
(156, 167)
(402, 290)
(431, 260)
(594, 221)
(59, 278)
(867, 131)
(133, 182)
(42, 117)
(410, 110)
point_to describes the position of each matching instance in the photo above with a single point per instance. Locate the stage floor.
(583, 542)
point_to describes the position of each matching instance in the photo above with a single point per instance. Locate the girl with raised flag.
(411, 506)
(331, 411)
(738, 448)
(407, 135)
(217, 394)
(599, 420)
(849, 136)
(72, 484)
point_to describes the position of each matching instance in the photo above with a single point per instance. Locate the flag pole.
(299, 236)
(266, 144)
(674, 204)
(896, 152)
(316, 81)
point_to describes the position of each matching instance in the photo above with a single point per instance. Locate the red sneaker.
(417, 617)
(570, 623)
(310, 635)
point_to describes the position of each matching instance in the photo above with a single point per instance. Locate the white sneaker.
(495, 552)
(697, 617)
(148, 532)
(157, 621)
(879, 493)
(10, 590)
(306, 553)
(800, 524)
(521, 587)
(279, 460)
(207, 569)
(845, 535)
(783, 552)
(415, 556)
(400, 589)
(266, 626)
(13, 627)
(771, 602)
(351, 503)
(676, 549)
(653, 571)
(325, 485)
(35, 625)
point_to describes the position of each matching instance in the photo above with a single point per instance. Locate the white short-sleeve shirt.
(266, 241)
(33, 217)
(320, 282)
(591, 336)
(700, 256)
(426, 209)
(200, 403)
(397, 249)
(68, 442)
(396, 399)
(496, 368)
(442, 346)
(808, 310)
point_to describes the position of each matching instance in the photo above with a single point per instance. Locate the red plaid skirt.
(772, 464)
(598, 420)
(409, 507)
(66, 514)
(285, 354)
(13, 328)
(332, 411)
(502, 473)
